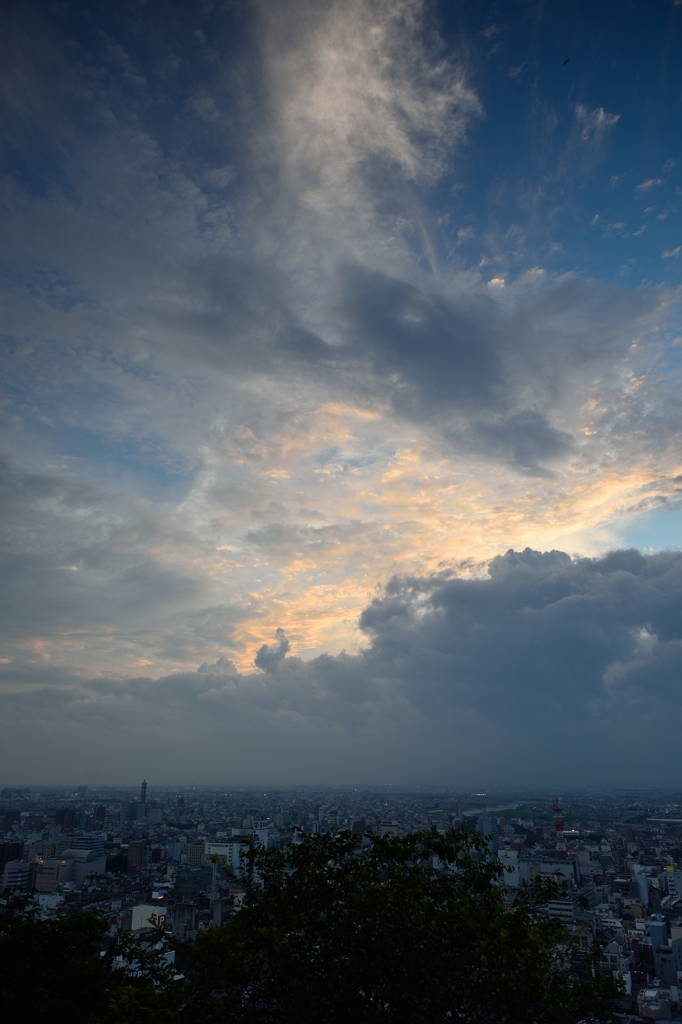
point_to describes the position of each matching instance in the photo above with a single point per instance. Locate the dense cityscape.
(174, 858)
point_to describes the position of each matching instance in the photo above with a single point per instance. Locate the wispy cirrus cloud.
(594, 122)
(263, 352)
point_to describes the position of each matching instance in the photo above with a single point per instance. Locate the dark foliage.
(63, 971)
(330, 933)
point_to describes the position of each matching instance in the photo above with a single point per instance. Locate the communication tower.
(561, 850)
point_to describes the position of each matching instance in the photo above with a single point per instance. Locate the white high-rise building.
(490, 827)
(18, 874)
(674, 881)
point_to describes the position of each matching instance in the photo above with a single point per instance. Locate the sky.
(341, 354)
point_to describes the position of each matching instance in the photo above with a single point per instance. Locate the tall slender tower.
(143, 792)
(561, 849)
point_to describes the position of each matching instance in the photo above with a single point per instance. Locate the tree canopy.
(405, 929)
(66, 970)
(411, 928)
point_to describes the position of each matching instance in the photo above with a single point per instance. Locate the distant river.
(502, 807)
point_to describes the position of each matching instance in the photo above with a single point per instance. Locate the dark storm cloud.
(537, 638)
(543, 635)
(488, 374)
(525, 439)
(586, 653)
(485, 374)
(445, 352)
(269, 656)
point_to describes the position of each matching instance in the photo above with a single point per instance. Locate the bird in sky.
(567, 61)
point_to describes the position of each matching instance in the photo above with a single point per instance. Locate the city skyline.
(341, 375)
(191, 860)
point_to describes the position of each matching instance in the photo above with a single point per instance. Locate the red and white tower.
(561, 850)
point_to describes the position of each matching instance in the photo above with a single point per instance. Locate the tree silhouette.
(411, 929)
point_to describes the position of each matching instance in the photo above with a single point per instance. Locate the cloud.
(525, 439)
(589, 140)
(573, 659)
(518, 70)
(489, 374)
(268, 657)
(594, 122)
(85, 577)
(277, 278)
(248, 377)
(355, 82)
(534, 640)
(650, 183)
